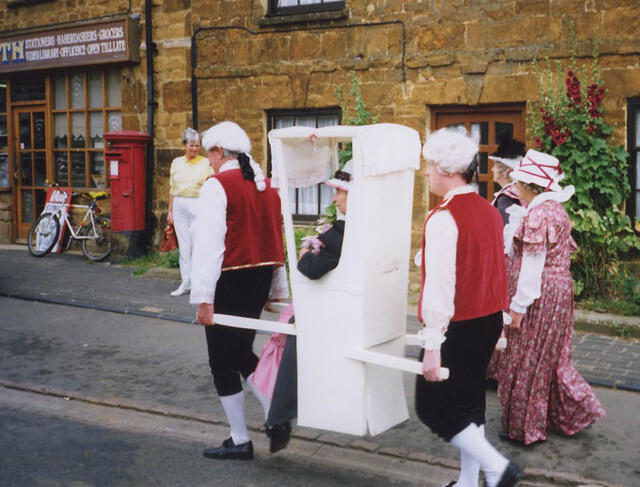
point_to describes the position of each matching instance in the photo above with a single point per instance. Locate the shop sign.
(83, 44)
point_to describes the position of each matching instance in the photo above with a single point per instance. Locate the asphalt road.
(156, 365)
(43, 450)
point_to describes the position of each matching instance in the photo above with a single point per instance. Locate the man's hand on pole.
(431, 366)
(205, 314)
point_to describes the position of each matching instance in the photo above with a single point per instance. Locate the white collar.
(228, 165)
(467, 188)
(559, 196)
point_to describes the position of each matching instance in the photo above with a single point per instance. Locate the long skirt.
(284, 403)
(513, 270)
(450, 406)
(538, 386)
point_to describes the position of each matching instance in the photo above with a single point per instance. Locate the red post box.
(126, 158)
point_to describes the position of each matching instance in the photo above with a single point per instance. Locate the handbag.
(169, 239)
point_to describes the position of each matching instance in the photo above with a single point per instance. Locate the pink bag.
(264, 377)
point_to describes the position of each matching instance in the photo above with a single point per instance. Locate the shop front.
(60, 92)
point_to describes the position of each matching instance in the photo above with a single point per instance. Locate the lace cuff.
(432, 337)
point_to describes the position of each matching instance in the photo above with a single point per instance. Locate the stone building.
(274, 63)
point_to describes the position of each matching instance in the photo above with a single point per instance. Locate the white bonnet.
(229, 136)
(343, 178)
(450, 149)
(541, 169)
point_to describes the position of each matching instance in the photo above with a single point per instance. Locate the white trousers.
(184, 214)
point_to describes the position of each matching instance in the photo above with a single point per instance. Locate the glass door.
(30, 164)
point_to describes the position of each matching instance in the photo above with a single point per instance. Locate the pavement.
(611, 365)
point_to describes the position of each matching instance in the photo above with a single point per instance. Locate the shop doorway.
(30, 156)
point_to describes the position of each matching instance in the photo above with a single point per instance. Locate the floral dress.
(538, 386)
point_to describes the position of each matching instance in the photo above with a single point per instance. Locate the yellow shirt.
(186, 177)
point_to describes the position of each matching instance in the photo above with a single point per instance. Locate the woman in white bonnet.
(538, 386)
(462, 296)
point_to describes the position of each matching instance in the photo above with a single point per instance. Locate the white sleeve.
(529, 281)
(209, 231)
(279, 284)
(441, 239)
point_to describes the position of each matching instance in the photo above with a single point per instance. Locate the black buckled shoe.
(279, 435)
(511, 476)
(230, 451)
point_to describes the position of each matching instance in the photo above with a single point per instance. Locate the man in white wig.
(237, 250)
(462, 296)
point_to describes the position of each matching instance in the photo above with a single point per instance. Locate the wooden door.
(485, 123)
(30, 163)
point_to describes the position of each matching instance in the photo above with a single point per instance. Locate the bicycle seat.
(98, 195)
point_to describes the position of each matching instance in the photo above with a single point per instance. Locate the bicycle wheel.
(43, 234)
(97, 247)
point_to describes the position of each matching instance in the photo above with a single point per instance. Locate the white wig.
(451, 150)
(227, 135)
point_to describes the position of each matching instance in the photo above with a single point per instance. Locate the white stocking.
(233, 406)
(471, 441)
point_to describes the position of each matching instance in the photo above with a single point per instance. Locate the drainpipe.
(151, 105)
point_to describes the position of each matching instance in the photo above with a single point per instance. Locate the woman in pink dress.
(538, 386)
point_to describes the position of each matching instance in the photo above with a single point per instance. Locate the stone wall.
(5, 217)
(409, 56)
(456, 52)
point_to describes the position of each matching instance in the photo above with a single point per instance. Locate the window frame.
(272, 115)
(633, 148)
(86, 111)
(6, 114)
(320, 6)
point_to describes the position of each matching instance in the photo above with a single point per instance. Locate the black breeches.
(240, 293)
(449, 407)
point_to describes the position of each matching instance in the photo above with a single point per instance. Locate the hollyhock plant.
(567, 121)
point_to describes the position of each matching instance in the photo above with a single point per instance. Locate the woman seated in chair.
(319, 255)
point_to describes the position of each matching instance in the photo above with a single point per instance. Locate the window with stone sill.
(4, 137)
(307, 204)
(633, 145)
(290, 7)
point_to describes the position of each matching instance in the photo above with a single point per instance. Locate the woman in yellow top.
(187, 175)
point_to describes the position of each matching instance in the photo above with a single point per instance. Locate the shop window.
(29, 88)
(633, 144)
(484, 124)
(4, 137)
(85, 105)
(289, 7)
(307, 204)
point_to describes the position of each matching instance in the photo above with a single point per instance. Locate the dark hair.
(471, 170)
(534, 188)
(342, 175)
(245, 166)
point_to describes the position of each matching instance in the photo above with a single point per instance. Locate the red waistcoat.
(254, 223)
(481, 280)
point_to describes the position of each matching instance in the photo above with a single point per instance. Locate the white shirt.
(441, 240)
(209, 231)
